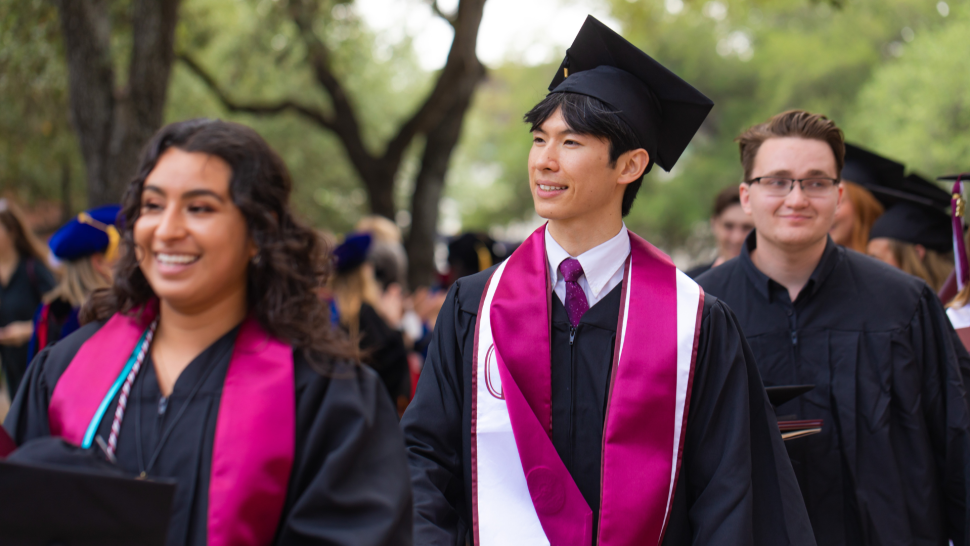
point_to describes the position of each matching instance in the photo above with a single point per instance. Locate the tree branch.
(462, 63)
(344, 122)
(452, 19)
(254, 108)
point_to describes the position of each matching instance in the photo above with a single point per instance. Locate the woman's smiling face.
(192, 241)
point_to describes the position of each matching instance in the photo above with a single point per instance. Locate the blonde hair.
(382, 229)
(351, 290)
(934, 268)
(79, 279)
(866, 209)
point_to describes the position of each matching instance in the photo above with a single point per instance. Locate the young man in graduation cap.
(585, 391)
(890, 464)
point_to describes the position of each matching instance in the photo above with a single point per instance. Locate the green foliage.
(893, 73)
(488, 178)
(253, 50)
(36, 141)
(917, 108)
(754, 58)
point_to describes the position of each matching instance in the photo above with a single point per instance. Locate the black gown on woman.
(349, 481)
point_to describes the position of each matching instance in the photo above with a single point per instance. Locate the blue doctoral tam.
(86, 234)
(352, 252)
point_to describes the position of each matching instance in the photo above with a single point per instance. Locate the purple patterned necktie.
(576, 303)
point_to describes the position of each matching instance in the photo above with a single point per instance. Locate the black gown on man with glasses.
(890, 466)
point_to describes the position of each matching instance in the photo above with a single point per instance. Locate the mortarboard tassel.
(114, 238)
(959, 248)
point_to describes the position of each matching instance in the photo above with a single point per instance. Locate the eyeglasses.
(780, 187)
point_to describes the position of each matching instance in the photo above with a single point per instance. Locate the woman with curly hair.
(212, 362)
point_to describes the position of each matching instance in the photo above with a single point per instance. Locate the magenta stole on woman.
(536, 501)
(255, 431)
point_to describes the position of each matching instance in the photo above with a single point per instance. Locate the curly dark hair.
(292, 261)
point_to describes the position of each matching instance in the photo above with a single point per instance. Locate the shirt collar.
(599, 263)
(831, 257)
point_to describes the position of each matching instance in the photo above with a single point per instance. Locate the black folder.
(43, 504)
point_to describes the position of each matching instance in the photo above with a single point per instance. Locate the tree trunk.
(439, 119)
(113, 124)
(439, 145)
(67, 208)
(379, 184)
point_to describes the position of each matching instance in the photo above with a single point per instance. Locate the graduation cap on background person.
(957, 205)
(90, 232)
(918, 217)
(882, 176)
(663, 110)
(352, 252)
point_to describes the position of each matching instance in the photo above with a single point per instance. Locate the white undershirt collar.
(602, 266)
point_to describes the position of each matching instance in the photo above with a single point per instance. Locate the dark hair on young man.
(589, 116)
(292, 261)
(793, 123)
(730, 195)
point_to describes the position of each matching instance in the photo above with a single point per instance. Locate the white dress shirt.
(602, 266)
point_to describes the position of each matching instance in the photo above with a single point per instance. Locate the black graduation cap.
(919, 217)
(663, 110)
(880, 175)
(916, 224)
(78, 504)
(964, 177)
(472, 252)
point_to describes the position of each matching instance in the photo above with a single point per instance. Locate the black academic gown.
(736, 485)
(890, 465)
(349, 482)
(384, 351)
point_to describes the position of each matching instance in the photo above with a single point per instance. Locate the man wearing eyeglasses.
(890, 464)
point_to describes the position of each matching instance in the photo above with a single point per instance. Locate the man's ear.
(744, 190)
(632, 165)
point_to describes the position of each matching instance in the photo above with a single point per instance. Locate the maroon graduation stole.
(522, 492)
(255, 432)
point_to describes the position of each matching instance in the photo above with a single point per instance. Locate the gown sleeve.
(27, 418)
(736, 479)
(349, 484)
(944, 399)
(433, 432)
